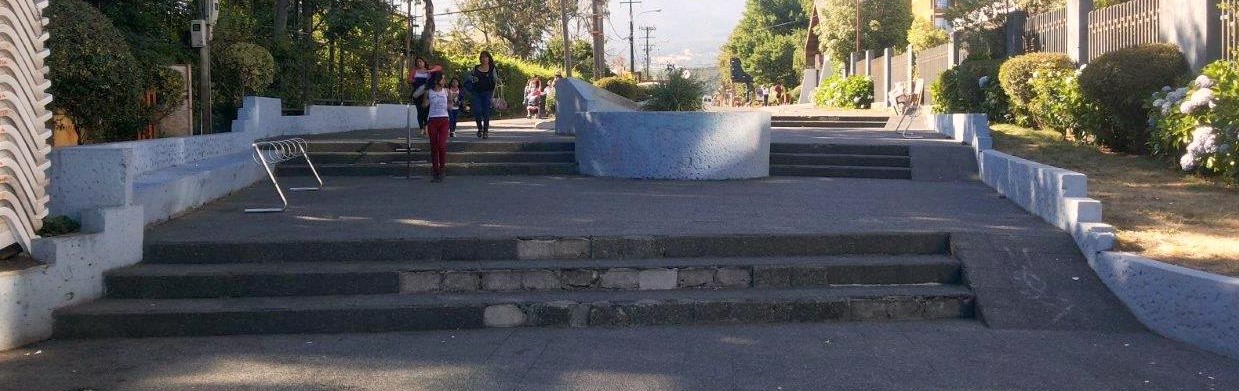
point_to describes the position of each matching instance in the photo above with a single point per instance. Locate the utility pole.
(647, 30)
(857, 26)
(204, 92)
(632, 35)
(563, 16)
(408, 42)
(600, 55)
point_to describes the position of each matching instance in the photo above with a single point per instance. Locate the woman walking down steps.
(439, 127)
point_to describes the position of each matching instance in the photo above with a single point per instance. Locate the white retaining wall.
(116, 189)
(1188, 305)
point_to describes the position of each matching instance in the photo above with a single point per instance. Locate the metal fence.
(1124, 25)
(899, 69)
(1230, 29)
(1046, 32)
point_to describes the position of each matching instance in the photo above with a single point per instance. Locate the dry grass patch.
(1158, 211)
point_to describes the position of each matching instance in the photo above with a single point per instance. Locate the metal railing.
(270, 153)
(1123, 25)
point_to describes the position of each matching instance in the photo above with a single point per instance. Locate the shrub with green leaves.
(1198, 125)
(852, 92)
(1059, 104)
(621, 86)
(1016, 74)
(242, 69)
(59, 225)
(971, 87)
(1121, 81)
(95, 78)
(678, 93)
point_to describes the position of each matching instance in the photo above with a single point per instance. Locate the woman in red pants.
(438, 129)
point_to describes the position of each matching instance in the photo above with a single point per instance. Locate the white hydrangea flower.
(1167, 89)
(1159, 103)
(1187, 162)
(1204, 82)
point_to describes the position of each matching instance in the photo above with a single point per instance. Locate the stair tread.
(871, 168)
(424, 163)
(120, 307)
(295, 268)
(427, 152)
(845, 155)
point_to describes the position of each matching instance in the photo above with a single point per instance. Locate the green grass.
(1158, 211)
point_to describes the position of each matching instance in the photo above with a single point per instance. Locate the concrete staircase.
(372, 286)
(383, 158)
(830, 122)
(841, 160)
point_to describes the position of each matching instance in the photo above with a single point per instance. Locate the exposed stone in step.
(311, 279)
(842, 171)
(383, 313)
(813, 159)
(600, 247)
(840, 149)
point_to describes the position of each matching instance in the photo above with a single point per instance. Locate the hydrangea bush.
(1057, 103)
(1198, 125)
(853, 92)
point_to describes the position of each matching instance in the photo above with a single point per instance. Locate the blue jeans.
(481, 109)
(452, 115)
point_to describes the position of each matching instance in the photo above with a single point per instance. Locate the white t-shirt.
(438, 103)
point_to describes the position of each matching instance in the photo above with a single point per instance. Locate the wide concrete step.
(842, 171)
(458, 144)
(455, 157)
(596, 247)
(840, 149)
(165, 281)
(829, 124)
(831, 118)
(424, 168)
(392, 312)
(813, 159)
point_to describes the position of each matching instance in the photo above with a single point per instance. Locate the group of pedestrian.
(767, 93)
(536, 95)
(439, 102)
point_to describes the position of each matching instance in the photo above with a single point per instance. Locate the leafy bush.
(1199, 124)
(59, 225)
(924, 35)
(621, 86)
(1120, 80)
(853, 92)
(1058, 104)
(242, 69)
(678, 93)
(794, 94)
(95, 78)
(971, 87)
(1016, 74)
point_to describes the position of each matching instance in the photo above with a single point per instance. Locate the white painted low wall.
(574, 97)
(1188, 305)
(112, 238)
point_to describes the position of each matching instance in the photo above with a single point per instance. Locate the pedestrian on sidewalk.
(419, 77)
(481, 84)
(454, 96)
(779, 96)
(439, 126)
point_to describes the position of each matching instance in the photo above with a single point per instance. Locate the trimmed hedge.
(852, 92)
(971, 87)
(621, 86)
(1121, 81)
(1016, 74)
(243, 69)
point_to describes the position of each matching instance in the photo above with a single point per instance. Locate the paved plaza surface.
(949, 355)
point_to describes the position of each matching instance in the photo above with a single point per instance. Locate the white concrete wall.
(1188, 305)
(575, 97)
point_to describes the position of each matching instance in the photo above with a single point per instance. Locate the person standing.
(482, 83)
(439, 126)
(419, 77)
(453, 104)
(778, 94)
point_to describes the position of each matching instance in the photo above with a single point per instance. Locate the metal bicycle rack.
(270, 153)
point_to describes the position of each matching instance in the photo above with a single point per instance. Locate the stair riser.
(841, 172)
(562, 314)
(828, 125)
(632, 247)
(547, 169)
(840, 160)
(461, 157)
(362, 283)
(840, 149)
(819, 118)
(455, 146)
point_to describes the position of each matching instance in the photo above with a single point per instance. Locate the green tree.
(524, 27)
(582, 58)
(769, 40)
(884, 24)
(924, 35)
(95, 78)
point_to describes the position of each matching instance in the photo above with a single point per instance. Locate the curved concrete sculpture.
(23, 113)
(615, 140)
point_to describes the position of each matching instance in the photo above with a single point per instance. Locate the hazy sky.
(689, 31)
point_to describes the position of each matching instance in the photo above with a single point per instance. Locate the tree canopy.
(769, 40)
(884, 24)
